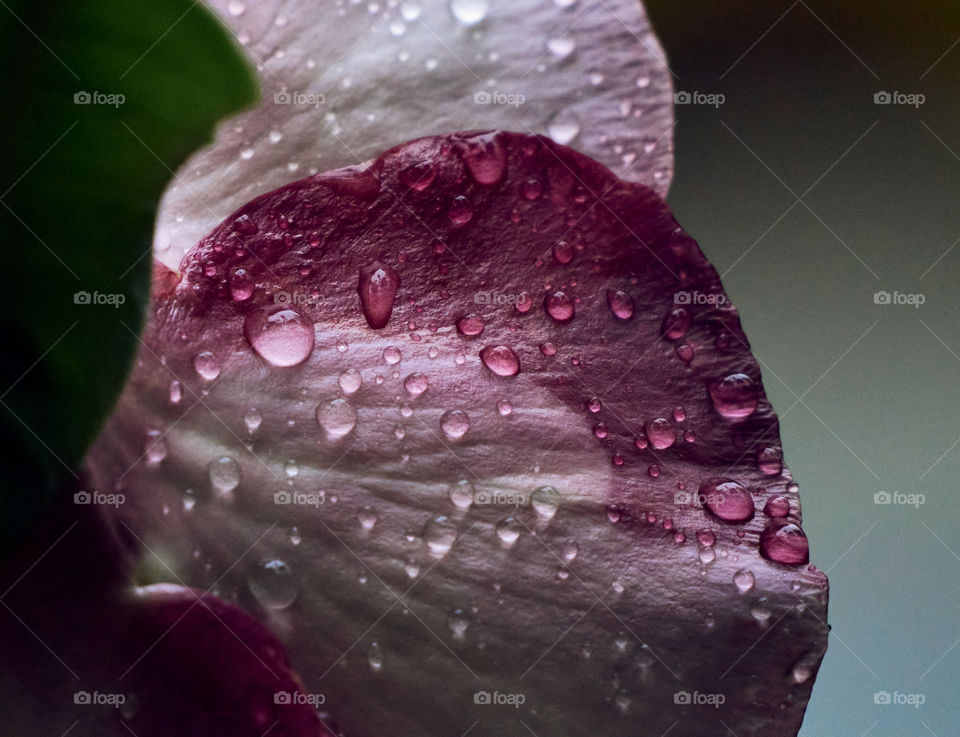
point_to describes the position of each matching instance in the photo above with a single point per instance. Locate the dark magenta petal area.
(474, 431)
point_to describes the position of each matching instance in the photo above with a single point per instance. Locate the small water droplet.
(155, 448)
(224, 475)
(350, 381)
(563, 127)
(455, 423)
(508, 530)
(531, 190)
(462, 494)
(377, 286)
(620, 303)
(706, 538)
(563, 252)
(570, 550)
(458, 620)
(375, 657)
(561, 47)
(504, 407)
(440, 533)
(272, 585)
(416, 384)
(391, 355)
(770, 461)
(241, 285)
(545, 501)
(419, 176)
(460, 212)
(295, 537)
(279, 335)
(471, 324)
(367, 517)
(206, 365)
(252, 419)
(559, 306)
(676, 323)
(743, 580)
(411, 568)
(777, 506)
(660, 433)
(337, 417)
(548, 349)
(727, 499)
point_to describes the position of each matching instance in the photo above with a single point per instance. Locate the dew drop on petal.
(279, 335)
(471, 324)
(501, 360)
(377, 286)
(743, 580)
(272, 585)
(620, 303)
(350, 381)
(455, 423)
(440, 533)
(727, 499)
(337, 417)
(469, 12)
(784, 542)
(734, 397)
(224, 475)
(206, 365)
(241, 285)
(461, 494)
(416, 384)
(558, 306)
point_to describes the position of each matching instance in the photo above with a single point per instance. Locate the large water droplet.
(784, 542)
(461, 494)
(660, 433)
(440, 533)
(471, 324)
(501, 360)
(743, 580)
(350, 381)
(336, 417)
(224, 475)
(416, 384)
(559, 306)
(391, 354)
(777, 506)
(727, 499)
(279, 335)
(377, 286)
(485, 158)
(545, 501)
(469, 12)
(272, 585)
(241, 285)
(620, 303)
(770, 461)
(508, 530)
(206, 365)
(734, 396)
(455, 423)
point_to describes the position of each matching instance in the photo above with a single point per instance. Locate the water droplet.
(735, 396)
(241, 285)
(727, 499)
(189, 500)
(660, 433)
(620, 303)
(279, 335)
(252, 419)
(484, 157)
(295, 536)
(460, 212)
(743, 580)
(706, 538)
(336, 417)
(206, 365)
(676, 323)
(570, 550)
(291, 469)
(559, 306)
(155, 447)
(235, 7)
(563, 252)
(707, 555)
(375, 657)
(416, 384)
(684, 352)
(777, 506)
(410, 10)
(531, 190)
(391, 355)
(508, 530)
(761, 612)
(397, 27)
(471, 324)
(563, 127)
(224, 475)
(784, 542)
(548, 349)
(440, 533)
(501, 360)
(504, 407)
(367, 517)
(455, 423)
(419, 176)
(561, 47)
(176, 391)
(469, 12)
(272, 585)
(350, 381)
(411, 568)
(545, 501)
(461, 494)
(243, 224)
(377, 286)
(770, 461)
(458, 620)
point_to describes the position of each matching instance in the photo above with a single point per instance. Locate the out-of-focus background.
(825, 189)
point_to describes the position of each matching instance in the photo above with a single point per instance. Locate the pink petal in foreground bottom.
(524, 477)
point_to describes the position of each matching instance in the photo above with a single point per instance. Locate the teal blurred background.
(867, 393)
